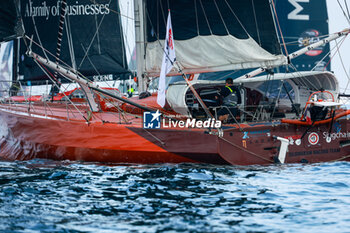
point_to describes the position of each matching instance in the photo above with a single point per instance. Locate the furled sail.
(213, 35)
(10, 25)
(93, 41)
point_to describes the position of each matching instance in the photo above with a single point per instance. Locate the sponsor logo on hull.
(313, 138)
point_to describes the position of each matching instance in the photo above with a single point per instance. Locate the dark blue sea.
(49, 196)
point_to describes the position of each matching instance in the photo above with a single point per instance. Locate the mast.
(139, 8)
(15, 68)
(60, 33)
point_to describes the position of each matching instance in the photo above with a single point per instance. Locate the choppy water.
(47, 196)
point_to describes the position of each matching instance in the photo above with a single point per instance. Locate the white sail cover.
(212, 53)
(213, 36)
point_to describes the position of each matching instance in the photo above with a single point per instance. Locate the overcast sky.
(338, 22)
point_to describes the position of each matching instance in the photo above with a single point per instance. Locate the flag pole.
(169, 47)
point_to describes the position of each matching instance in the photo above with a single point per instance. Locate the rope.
(36, 30)
(49, 75)
(62, 62)
(205, 15)
(121, 111)
(279, 27)
(304, 81)
(176, 65)
(70, 42)
(60, 30)
(59, 38)
(346, 5)
(341, 7)
(162, 10)
(323, 58)
(196, 12)
(223, 21)
(92, 64)
(277, 100)
(92, 40)
(340, 159)
(334, 54)
(256, 23)
(160, 141)
(111, 10)
(243, 149)
(342, 62)
(156, 32)
(37, 44)
(240, 23)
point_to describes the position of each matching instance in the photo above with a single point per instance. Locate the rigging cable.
(322, 59)
(92, 40)
(176, 65)
(342, 62)
(196, 13)
(50, 76)
(256, 23)
(347, 9)
(59, 41)
(162, 10)
(70, 42)
(234, 14)
(277, 99)
(98, 25)
(346, 16)
(205, 15)
(337, 51)
(279, 28)
(36, 30)
(115, 12)
(305, 82)
(223, 21)
(62, 62)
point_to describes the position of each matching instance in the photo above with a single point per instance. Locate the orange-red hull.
(107, 139)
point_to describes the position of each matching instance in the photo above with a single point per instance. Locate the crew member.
(131, 91)
(230, 97)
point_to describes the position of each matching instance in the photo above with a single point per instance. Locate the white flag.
(167, 63)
